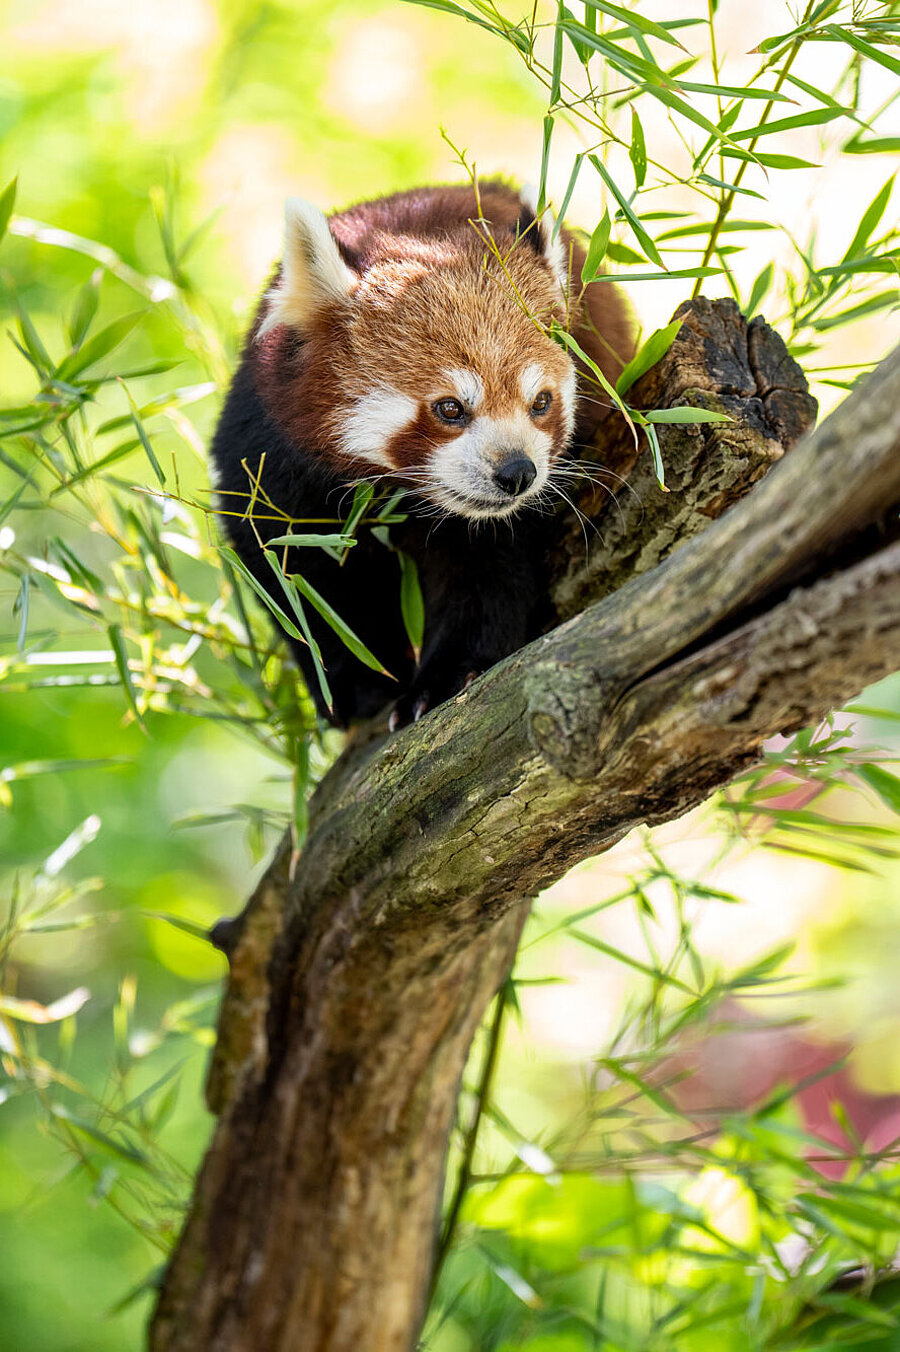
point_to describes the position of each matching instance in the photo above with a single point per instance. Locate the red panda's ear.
(313, 273)
(545, 237)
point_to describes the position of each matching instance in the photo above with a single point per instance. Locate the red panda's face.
(432, 367)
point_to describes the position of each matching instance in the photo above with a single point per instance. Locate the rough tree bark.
(357, 985)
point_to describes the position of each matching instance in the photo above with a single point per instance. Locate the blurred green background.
(114, 116)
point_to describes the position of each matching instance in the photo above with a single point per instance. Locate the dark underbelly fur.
(483, 582)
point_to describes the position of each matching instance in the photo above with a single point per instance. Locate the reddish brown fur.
(431, 297)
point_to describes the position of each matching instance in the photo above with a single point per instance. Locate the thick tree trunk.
(356, 986)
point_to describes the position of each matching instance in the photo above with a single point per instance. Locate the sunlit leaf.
(7, 202)
(685, 415)
(102, 343)
(86, 304)
(637, 151)
(596, 250)
(869, 219)
(814, 118)
(648, 354)
(142, 434)
(117, 643)
(842, 33)
(882, 782)
(635, 21)
(641, 235)
(30, 1011)
(759, 290)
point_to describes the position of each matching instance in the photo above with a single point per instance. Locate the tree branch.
(357, 986)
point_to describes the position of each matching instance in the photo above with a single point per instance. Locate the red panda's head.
(423, 357)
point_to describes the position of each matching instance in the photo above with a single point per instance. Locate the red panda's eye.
(542, 402)
(450, 410)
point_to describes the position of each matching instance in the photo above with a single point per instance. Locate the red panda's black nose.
(515, 475)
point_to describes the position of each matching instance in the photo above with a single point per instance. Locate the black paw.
(422, 698)
(226, 932)
(409, 709)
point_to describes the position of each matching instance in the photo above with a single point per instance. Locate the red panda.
(406, 340)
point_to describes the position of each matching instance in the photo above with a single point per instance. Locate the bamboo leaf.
(736, 91)
(448, 7)
(819, 94)
(313, 540)
(83, 1127)
(556, 72)
(306, 634)
(596, 250)
(656, 452)
(117, 643)
(635, 22)
(7, 202)
(567, 196)
(728, 187)
(641, 235)
(685, 415)
(880, 264)
(875, 145)
(627, 63)
(30, 1011)
(759, 289)
(568, 341)
(105, 461)
(622, 253)
(180, 923)
(35, 352)
(142, 435)
(814, 118)
(668, 275)
(648, 354)
(841, 33)
(333, 620)
(768, 160)
(628, 961)
(870, 218)
(868, 307)
(637, 151)
(267, 599)
(85, 308)
(412, 603)
(882, 782)
(99, 346)
(545, 164)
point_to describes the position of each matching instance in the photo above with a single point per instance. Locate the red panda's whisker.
(578, 469)
(584, 520)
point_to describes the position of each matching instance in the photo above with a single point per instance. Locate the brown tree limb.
(357, 986)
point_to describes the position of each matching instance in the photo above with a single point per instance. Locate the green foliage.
(155, 741)
(618, 69)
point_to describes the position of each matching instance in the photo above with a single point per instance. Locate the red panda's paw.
(409, 710)
(419, 701)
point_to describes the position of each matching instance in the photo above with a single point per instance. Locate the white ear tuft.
(553, 251)
(313, 273)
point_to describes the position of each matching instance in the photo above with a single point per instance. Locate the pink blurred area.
(742, 1066)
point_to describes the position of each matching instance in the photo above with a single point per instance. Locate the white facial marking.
(567, 395)
(468, 385)
(554, 250)
(462, 471)
(532, 381)
(371, 423)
